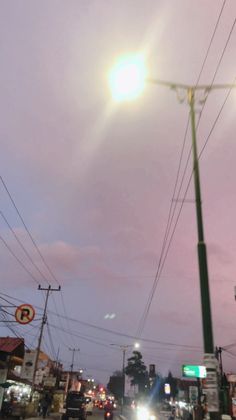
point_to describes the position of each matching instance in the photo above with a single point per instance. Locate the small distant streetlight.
(124, 348)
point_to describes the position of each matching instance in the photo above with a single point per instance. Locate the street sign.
(167, 389)
(210, 361)
(193, 394)
(49, 381)
(194, 371)
(211, 380)
(24, 314)
(27, 370)
(212, 400)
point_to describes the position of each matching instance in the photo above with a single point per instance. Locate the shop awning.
(12, 346)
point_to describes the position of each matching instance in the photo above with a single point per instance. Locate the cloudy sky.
(94, 180)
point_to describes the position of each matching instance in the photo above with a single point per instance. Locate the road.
(99, 415)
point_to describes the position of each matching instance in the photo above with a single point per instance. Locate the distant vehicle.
(108, 415)
(100, 405)
(75, 406)
(108, 410)
(89, 405)
(165, 410)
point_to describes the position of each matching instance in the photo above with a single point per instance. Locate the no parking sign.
(24, 313)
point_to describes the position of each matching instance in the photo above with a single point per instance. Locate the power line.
(157, 277)
(27, 230)
(22, 246)
(34, 243)
(18, 260)
(10, 327)
(106, 330)
(145, 340)
(54, 353)
(211, 41)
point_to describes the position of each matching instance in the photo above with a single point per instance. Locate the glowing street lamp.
(127, 78)
(127, 81)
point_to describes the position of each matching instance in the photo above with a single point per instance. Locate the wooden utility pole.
(44, 320)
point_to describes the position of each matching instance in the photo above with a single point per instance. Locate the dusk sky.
(94, 180)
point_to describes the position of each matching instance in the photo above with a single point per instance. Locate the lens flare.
(127, 78)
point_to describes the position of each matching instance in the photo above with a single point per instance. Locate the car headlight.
(143, 413)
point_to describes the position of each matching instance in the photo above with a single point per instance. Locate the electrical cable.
(33, 242)
(54, 353)
(18, 260)
(157, 277)
(10, 327)
(168, 226)
(26, 228)
(22, 246)
(210, 44)
(142, 340)
(106, 330)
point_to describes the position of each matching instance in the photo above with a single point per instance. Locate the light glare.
(127, 78)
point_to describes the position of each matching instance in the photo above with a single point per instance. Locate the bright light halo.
(127, 78)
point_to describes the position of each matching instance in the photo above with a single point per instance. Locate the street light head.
(127, 78)
(136, 345)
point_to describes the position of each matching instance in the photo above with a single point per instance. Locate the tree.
(173, 385)
(115, 384)
(137, 371)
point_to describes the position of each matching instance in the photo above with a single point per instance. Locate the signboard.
(210, 361)
(167, 389)
(211, 383)
(152, 371)
(27, 370)
(193, 394)
(24, 314)
(194, 371)
(212, 400)
(211, 380)
(3, 378)
(234, 407)
(49, 381)
(231, 377)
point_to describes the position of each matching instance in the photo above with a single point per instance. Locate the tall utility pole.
(123, 348)
(209, 356)
(44, 320)
(69, 375)
(73, 358)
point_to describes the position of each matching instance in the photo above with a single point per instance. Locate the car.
(75, 406)
(89, 405)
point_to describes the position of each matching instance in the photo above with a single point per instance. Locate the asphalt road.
(99, 415)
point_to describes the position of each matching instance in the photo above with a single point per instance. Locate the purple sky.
(94, 181)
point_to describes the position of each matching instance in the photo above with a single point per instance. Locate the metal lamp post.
(209, 357)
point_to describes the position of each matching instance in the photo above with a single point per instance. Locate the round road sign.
(24, 313)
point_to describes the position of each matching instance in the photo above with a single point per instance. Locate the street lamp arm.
(171, 85)
(215, 87)
(174, 85)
